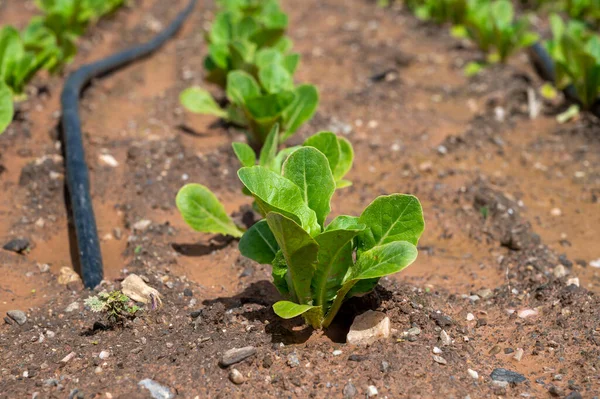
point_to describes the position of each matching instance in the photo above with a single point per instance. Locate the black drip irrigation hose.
(544, 66)
(78, 182)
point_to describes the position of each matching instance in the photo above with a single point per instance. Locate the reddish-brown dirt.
(511, 206)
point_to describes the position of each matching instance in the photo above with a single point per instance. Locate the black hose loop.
(77, 175)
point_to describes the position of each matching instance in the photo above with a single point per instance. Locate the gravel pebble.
(501, 374)
(157, 391)
(236, 377)
(17, 315)
(445, 338)
(474, 374)
(439, 359)
(372, 391)
(349, 391)
(236, 355)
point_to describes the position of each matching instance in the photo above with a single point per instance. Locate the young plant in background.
(239, 32)
(17, 67)
(257, 106)
(576, 55)
(62, 23)
(492, 26)
(201, 209)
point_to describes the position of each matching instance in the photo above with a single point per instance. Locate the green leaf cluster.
(201, 209)
(576, 54)
(62, 22)
(239, 32)
(48, 42)
(116, 305)
(249, 57)
(493, 27)
(317, 265)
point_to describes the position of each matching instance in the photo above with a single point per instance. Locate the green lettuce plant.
(239, 32)
(493, 27)
(258, 105)
(317, 265)
(576, 54)
(62, 22)
(17, 67)
(201, 209)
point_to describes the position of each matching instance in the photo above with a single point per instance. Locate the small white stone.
(573, 281)
(525, 313)
(518, 354)
(104, 355)
(560, 271)
(445, 338)
(142, 224)
(372, 391)
(109, 160)
(72, 307)
(595, 263)
(439, 359)
(474, 374)
(236, 377)
(368, 328)
(337, 352)
(555, 212)
(437, 350)
(501, 384)
(470, 317)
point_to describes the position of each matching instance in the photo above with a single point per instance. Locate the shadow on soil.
(295, 331)
(201, 249)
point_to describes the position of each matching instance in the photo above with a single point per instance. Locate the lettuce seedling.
(317, 265)
(257, 106)
(201, 209)
(63, 22)
(576, 55)
(17, 67)
(492, 26)
(239, 32)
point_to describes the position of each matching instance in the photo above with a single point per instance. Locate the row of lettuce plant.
(493, 27)
(250, 56)
(47, 42)
(316, 263)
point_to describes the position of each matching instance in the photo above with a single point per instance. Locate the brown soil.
(509, 203)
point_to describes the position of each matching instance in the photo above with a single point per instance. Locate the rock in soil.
(349, 391)
(135, 288)
(236, 355)
(501, 374)
(17, 315)
(18, 245)
(157, 391)
(372, 391)
(368, 328)
(236, 377)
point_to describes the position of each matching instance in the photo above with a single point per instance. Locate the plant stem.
(337, 303)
